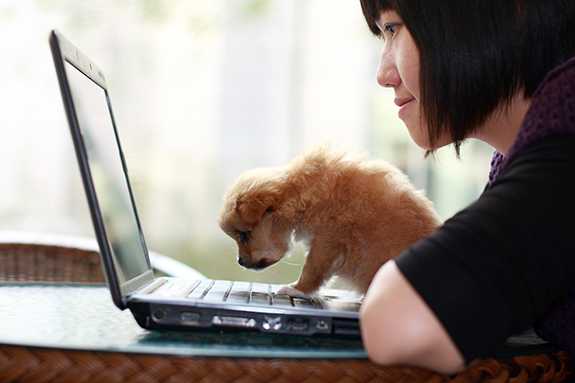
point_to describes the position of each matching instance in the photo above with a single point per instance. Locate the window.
(202, 91)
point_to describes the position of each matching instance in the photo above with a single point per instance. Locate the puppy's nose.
(262, 264)
(242, 262)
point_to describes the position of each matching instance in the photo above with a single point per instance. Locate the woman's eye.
(390, 29)
(244, 236)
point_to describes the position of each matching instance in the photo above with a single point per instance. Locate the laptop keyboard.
(245, 293)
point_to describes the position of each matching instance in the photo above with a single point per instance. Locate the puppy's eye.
(244, 236)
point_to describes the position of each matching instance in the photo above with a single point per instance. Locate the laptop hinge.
(150, 287)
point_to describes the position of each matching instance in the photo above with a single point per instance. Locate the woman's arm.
(399, 328)
(489, 272)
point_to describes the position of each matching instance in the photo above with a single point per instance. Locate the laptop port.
(189, 317)
(233, 321)
(298, 324)
(159, 314)
(346, 327)
(321, 325)
(272, 323)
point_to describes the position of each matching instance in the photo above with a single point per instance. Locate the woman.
(501, 72)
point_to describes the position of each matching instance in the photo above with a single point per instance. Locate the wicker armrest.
(55, 258)
(31, 364)
(30, 257)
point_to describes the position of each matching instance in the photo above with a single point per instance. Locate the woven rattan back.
(42, 259)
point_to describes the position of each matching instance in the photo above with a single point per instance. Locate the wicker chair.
(25, 257)
(51, 258)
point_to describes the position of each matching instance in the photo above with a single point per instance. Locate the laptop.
(159, 302)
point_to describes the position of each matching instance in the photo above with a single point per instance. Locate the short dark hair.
(476, 54)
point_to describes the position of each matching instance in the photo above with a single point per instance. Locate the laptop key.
(260, 298)
(175, 288)
(241, 297)
(186, 289)
(239, 293)
(261, 287)
(200, 290)
(281, 300)
(241, 287)
(304, 303)
(218, 291)
(214, 296)
(343, 305)
(222, 285)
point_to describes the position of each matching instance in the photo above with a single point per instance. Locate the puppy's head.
(250, 216)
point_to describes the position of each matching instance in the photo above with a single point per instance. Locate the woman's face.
(399, 69)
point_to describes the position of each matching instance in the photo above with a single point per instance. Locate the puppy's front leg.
(317, 269)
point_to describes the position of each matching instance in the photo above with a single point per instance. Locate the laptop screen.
(94, 117)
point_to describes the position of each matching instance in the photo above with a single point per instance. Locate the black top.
(499, 265)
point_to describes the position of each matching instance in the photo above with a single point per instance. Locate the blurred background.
(202, 91)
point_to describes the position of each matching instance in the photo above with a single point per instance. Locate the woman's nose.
(387, 75)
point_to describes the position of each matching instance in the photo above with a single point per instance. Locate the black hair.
(477, 54)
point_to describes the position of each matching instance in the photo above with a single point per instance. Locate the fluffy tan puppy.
(353, 214)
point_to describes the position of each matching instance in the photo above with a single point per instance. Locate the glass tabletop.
(82, 317)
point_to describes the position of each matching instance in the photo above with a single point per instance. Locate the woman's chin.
(420, 140)
(418, 134)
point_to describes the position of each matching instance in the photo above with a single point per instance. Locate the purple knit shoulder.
(552, 112)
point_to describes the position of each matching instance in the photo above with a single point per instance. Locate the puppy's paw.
(292, 292)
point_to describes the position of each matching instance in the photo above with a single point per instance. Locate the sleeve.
(497, 266)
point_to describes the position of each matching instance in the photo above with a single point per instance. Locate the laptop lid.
(103, 168)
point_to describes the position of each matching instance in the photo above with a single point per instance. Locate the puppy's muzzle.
(261, 264)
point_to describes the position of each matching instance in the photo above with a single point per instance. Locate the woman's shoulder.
(552, 111)
(553, 104)
(558, 79)
(551, 114)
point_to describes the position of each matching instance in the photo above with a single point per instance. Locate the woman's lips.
(403, 103)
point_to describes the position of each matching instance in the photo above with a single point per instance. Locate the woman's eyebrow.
(386, 17)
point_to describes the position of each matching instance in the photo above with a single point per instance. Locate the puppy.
(354, 215)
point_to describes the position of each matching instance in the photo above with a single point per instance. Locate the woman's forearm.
(399, 328)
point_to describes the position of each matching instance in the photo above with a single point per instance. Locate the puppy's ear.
(252, 210)
(258, 200)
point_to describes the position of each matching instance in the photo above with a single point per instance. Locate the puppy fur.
(353, 214)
